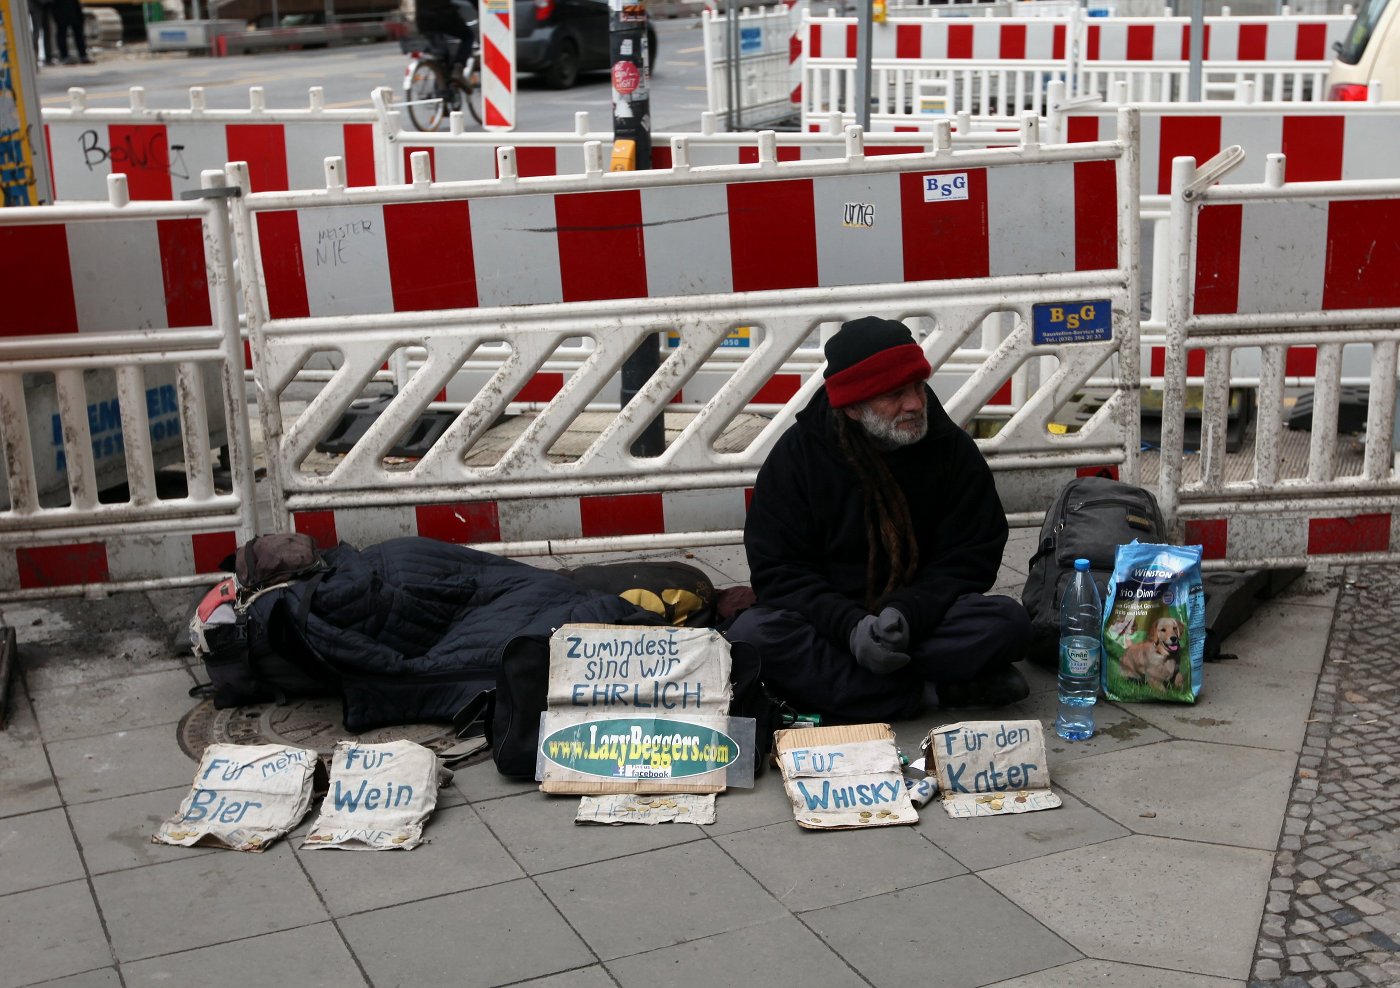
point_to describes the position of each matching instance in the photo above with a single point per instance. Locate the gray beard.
(887, 435)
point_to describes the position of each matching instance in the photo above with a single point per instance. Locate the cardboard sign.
(640, 710)
(244, 797)
(621, 808)
(840, 778)
(992, 767)
(614, 670)
(379, 797)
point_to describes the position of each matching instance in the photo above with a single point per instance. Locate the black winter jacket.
(416, 627)
(806, 535)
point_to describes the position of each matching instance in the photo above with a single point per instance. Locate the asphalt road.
(349, 74)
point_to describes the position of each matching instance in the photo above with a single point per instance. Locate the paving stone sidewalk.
(1332, 918)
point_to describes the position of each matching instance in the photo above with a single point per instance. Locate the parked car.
(559, 39)
(1369, 53)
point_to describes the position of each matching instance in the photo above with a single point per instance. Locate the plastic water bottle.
(1081, 651)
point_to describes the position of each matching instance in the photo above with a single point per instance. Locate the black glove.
(872, 653)
(892, 629)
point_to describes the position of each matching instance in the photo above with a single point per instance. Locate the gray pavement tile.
(37, 850)
(39, 621)
(85, 659)
(50, 933)
(1176, 904)
(208, 899)
(460, 854)
(808, 869)
(674, 894)
(1247, 702)
(988, 842)
(1284, 634)
(480, 781)
(1020, 547)
(1111, 975)
(491, 936)
(25, 777)
(108, 705)
(783, 952)
(958, 932)
(1117, 726)
(745, 809)
(173, 609)
(105, 977)
(120, 764)
(1187, 789)
(540, 833)
(308, 957)
(115, 834)
(595, 976)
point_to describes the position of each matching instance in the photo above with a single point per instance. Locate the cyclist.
(444, 17)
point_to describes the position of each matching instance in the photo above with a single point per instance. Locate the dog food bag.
(1154, 631)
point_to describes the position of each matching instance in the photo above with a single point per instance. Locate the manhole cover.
(310, 723)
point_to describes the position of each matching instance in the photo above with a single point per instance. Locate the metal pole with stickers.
(631, 99)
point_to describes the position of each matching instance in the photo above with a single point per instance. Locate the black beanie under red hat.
(871, 356)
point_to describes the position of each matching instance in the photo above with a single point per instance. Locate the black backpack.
(1090, 518)
(258, 657)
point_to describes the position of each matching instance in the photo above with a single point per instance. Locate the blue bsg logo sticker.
(1087, 321)
(945, 188)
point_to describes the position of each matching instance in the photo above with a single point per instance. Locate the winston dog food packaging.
(1154, 631)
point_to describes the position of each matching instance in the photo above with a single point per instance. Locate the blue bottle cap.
(1082, 565)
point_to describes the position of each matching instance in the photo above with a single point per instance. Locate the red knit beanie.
(869, 357)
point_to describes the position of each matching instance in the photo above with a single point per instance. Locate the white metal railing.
(133, 347)
(1271, 266)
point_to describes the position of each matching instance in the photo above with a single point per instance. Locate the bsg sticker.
(945, 188)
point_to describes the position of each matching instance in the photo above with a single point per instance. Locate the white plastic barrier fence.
(163, 152)
(769, 62)
(1003, 65)
(121, 336)
(987, 66)
(472, 157)
(1285, 57)
(1275, 266)
(785, 248)
(498, 65)
(1322, 142)
(468, 156)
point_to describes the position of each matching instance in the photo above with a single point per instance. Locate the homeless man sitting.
(873, 535)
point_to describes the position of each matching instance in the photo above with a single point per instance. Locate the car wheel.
(563, 71)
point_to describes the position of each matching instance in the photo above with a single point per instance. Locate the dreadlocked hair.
(888, 525)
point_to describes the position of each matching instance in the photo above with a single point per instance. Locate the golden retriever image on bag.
(1154, 630)
(1157, 659)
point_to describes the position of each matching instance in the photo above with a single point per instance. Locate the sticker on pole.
(626, 77)
(1088, 321)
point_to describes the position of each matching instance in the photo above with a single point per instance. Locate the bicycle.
(431, 92)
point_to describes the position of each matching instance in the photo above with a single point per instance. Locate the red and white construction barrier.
(163, 152)
(1298, 271)
(498, 65)
(794, 233)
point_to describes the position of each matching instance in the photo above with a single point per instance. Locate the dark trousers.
(980, 634)
(68, 17)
